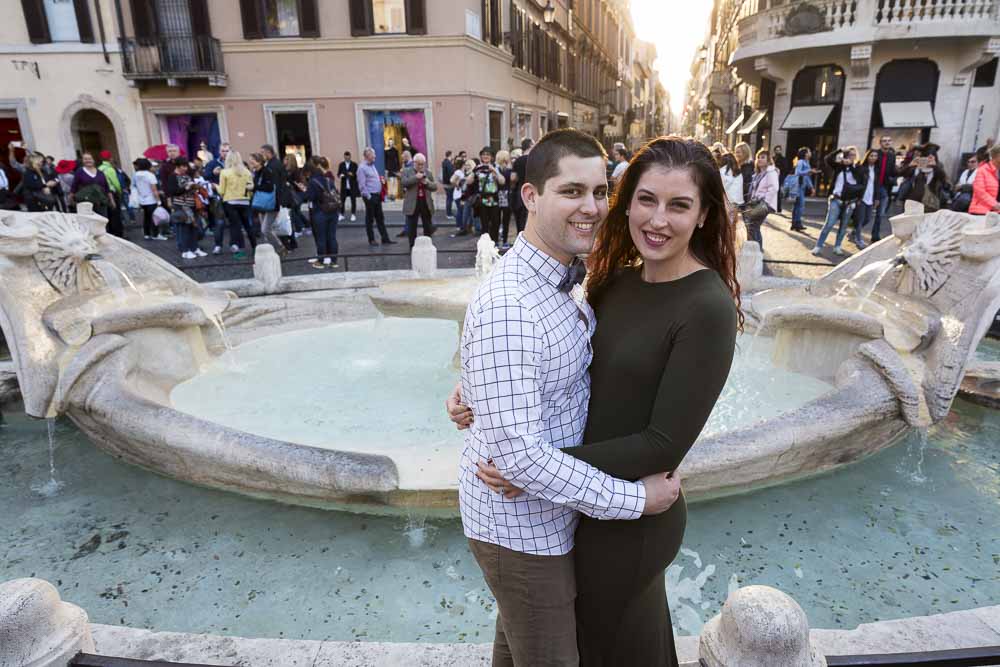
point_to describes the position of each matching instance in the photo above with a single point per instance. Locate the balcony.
(173, 59)
(816, 23)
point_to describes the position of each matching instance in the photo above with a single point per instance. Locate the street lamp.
(549, 13)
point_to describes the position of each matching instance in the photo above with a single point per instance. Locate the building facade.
(62, 83)
(831, 73)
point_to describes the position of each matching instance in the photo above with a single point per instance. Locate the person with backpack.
(321, 193)
(849, 185)
(800, 186)
(484, 194)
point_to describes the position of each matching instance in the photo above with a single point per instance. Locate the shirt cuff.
(631, 500)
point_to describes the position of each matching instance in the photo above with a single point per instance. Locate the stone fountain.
(102, 332)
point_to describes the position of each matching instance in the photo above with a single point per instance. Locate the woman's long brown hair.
(714, 244)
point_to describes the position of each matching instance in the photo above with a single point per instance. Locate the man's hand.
(662, 491)
(460, 414)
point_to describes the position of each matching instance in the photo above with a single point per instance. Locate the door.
(292, 131)
(821, 143)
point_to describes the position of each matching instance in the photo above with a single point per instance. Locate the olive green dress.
(662, 353)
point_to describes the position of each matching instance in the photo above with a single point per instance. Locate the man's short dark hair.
(347, 153)
(447, 153)
(526, 144)
(487, 150)
(181, 161)
(269, 148)
(543, 160)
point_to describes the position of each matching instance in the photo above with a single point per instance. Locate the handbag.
(283, 223)
(755, 212)
(263, 201)
(181, 215)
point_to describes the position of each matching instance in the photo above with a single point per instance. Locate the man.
(784, 166)
(347, 172)
(407, 159)
(216, 165)
(963, 186)
(486, 182)
(885, 178)
(167, 168)
(418, 202)
(279, 177)
(370, 189)
(518, 176)
(516, 330)
(447, 169)
(392, 169)
(115, 225)
(621, 164)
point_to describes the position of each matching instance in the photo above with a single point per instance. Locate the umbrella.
(158, 152)
(65, 166)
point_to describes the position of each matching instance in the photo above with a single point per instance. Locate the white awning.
(736, 124)
(807, 118)
(907, 114)
(752, 122)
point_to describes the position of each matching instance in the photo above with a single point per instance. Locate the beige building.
(832, 73)
(325, 76)
(61, 83)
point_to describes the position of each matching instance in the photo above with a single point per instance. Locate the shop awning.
(736, 124)
(807, 118)
(907, 114)
(752, 122)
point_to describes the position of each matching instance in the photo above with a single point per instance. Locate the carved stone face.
(65, 246)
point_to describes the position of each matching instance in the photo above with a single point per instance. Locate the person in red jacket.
(986, 187)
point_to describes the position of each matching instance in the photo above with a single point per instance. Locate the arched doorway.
(814, 119)
(905, 92)
(93, 132)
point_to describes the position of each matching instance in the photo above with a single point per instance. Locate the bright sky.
(677, 28)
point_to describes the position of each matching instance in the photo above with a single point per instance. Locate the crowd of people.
(198, 201)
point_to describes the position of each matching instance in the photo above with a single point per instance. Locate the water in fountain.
(916, 450)
(52, 486)
(111, 274)
(855, 285)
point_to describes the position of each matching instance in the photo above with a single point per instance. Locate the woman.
(732, 183)
(925, 181)
(90, 185)
(235, 187)
(986, 187)
(146, 190)
(293, 193)
(764, 186)
(35, 188)
(324, 223)
(667, 318)
(181, 191)
(263, 181)
(744, 158)
(848, 187)
(803, 187)
(463, 214)
(504, 165)
(864, 214)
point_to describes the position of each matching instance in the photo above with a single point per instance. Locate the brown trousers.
(536, 595)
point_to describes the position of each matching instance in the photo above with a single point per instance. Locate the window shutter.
(250, 15)
(143, 20)
(416, 17)
(83, 23)
(38, 24)
(201, 25)
(361, 18)
(308, 18)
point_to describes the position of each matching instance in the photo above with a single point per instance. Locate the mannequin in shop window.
(392, 166)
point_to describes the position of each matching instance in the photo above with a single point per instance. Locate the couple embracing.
(581, 406)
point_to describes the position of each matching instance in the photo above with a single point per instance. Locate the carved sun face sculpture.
(65, 250)
(935, 248)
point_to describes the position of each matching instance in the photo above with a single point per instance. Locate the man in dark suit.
(447, 169)
(885, 179)
(347, 172)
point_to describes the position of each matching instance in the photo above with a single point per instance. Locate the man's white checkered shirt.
(525, 359)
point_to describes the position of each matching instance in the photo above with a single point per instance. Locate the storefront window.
(281, 18)
(818, 85)
(389, 15)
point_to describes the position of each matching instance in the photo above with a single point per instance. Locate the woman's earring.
(700, 225)
(626, 213)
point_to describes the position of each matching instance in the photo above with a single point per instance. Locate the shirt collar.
(545, 265)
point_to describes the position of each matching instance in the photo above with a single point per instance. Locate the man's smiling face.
(570, 208)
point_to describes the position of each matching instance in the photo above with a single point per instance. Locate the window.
(986, 75)
(389, 16)
(58, 21)
(818, 85)
(279, 18)
(492, 32)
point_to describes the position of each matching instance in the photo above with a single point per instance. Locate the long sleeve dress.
(662, 354)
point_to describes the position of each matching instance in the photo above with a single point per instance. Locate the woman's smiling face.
(663, 214)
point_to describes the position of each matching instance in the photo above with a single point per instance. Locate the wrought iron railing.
(185, 56)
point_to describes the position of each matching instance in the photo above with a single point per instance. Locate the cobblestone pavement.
(780, 244)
